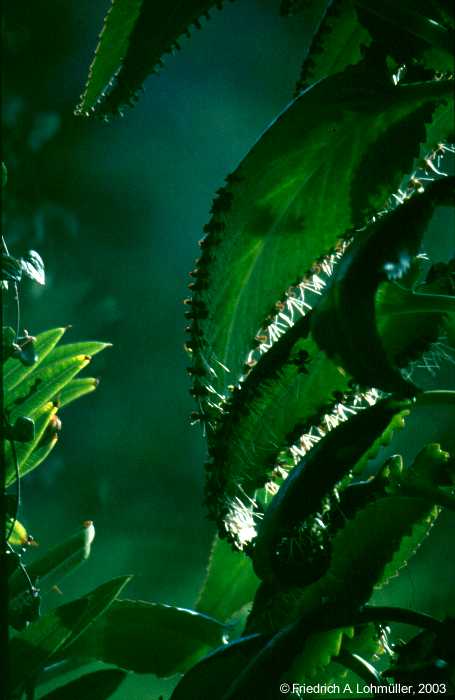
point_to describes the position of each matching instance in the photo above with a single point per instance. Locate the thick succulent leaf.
(75, 389)
(285, 395)
(271, 221)
(352, 339)
(337, 43)
(211, 676)
(136, 34)
(56, 563)
(29, 452)
(14, 372)
(302, 493)
(379, 528)
(230, 583)
(98, 685)
(149, 638)
(32, 649)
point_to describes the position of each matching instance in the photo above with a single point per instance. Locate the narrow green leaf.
(39, 454)
(271, 221)
(149, 638)
(75, 389)
(98, 685)
(32, 649)
(56, 563)
(26, 451)
(230, 583)
(14, 372)
(71, 350)
(44, 386)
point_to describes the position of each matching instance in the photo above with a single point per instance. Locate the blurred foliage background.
(116, 211)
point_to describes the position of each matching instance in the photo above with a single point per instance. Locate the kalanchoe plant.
(312, 308)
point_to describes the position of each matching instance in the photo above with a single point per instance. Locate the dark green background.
(116, 212)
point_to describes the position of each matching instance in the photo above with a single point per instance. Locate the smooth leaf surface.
(14, 372)
(70, 350)
(31, 650)
(98, 685)
(211, 676)
(25, 452)
(44, 386)
(149, 638)
(75, 389)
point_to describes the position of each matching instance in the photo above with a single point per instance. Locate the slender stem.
(419, 303)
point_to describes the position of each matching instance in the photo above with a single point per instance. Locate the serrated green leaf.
(230, 583)
(378, 528)
(98, 685)
(32, 649)
(285, 395)
(14, 372)
(271, 222)
(385, 250)
(337, 43)
(113, 45)
(56, 563)
(149, 638)
(135, 36)
(302, 493)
